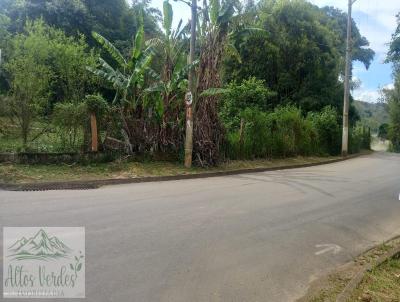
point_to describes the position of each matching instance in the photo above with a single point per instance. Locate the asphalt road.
(249, 237)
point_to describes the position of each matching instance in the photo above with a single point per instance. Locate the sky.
(376, 20)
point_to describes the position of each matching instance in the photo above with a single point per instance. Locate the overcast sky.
(376, 21)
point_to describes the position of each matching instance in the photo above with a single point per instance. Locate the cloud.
(389, 86)
(366, 95)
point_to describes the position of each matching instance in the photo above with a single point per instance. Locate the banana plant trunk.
(93, 126)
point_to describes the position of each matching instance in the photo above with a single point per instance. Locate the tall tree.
(114, 19)
(393, 96)
(208, 130)
(129, 78)
(360, 45)
(394, 48)
(302, 56)
(70, 15)
(170, 49)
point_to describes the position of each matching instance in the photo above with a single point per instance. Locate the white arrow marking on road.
(328, 248)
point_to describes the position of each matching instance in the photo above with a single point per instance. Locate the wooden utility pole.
(190, 95)
(93, 126)
(345, 136)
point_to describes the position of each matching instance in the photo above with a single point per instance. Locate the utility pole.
(190, 95)
(345, 136)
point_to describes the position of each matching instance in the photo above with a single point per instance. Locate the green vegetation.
(381, 284)
(383, 131)
(372, 115)
(393, 96)
(80, 74)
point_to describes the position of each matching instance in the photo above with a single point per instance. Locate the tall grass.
(285, 132)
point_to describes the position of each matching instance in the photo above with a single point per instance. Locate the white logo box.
(44, 262)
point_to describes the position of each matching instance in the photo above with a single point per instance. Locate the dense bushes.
(69, 120)
(237, 97)
(256, 130)
(284, 132)
(359, 138)
(394, 111)
(327, 125)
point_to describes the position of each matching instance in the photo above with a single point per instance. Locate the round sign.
(189, 98)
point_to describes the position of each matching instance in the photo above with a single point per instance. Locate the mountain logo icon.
(39, 247)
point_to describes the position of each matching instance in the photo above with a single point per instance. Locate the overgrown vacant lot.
(18, 173)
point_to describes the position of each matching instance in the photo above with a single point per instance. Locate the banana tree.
(219, 27)
(127, 76)
(170, 49)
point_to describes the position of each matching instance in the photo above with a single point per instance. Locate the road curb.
(94, 184)
(356, 280)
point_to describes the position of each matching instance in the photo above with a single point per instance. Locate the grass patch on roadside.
(19, 173)
(333, 286)
(382, 284)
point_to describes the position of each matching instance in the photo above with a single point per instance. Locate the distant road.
(379, 145)
(250, 237)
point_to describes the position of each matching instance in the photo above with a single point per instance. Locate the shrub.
(293, 135)
(281, 133)
(249, 94)
(383, 131)
(70, 119)
(256, 139)
(95, 103)
(327, 125)
(359, 139)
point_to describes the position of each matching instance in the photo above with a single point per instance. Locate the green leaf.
(156, 43)
(158, 87)
(79, 267)
(160, 107)
(137, 50)
(214, 10)
(168, 16)
(111, 49)
(178, 30)
(231, 50)
(71, 266)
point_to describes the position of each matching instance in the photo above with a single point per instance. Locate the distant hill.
(372, 114)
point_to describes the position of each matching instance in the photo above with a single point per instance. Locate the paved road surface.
(248, 237)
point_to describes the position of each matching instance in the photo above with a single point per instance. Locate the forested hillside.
(372, 115)
(268, 78)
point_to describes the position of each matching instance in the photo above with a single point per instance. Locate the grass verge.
(19, 174)
(381, 284)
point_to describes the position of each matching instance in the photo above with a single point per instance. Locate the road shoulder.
(98, 180)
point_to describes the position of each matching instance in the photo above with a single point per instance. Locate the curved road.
(250, 237)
